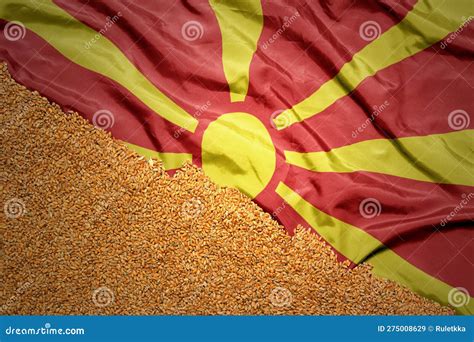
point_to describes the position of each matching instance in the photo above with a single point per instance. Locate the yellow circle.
(237, 151)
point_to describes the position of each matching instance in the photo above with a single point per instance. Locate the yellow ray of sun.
(427, 23)
(440, 158)
(170, 160)
(357, 245)
(70, 37)
(241, 24)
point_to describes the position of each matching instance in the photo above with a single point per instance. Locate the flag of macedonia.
(351, 118)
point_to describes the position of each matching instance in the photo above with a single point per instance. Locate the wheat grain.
(103, 232)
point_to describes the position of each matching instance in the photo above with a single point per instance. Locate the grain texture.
(89, 227)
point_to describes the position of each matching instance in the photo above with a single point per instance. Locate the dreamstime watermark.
(198, 112)
(192, 30)
(46, 330)
(458, 119)
(279, 120)
(465, 22)
(370, 208)
(280, 297)
(103, 119)
(458, 296)
(296, 195)
(279, 210)
(287, 21)
(19, 292)
(14, 208)
(14, 30)
(377, 110)
(465, 200)
(192, 209)
(370, 30)
(109, 22)
(102, 297)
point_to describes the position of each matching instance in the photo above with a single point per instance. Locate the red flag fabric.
(352, 119)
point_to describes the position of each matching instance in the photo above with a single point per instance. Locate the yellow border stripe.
(427, 23)
(357, 245)
(439, 158)
(170, 161)
(69, 36)
(241, 23)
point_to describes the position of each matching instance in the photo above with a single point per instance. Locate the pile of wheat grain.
(88, 227)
